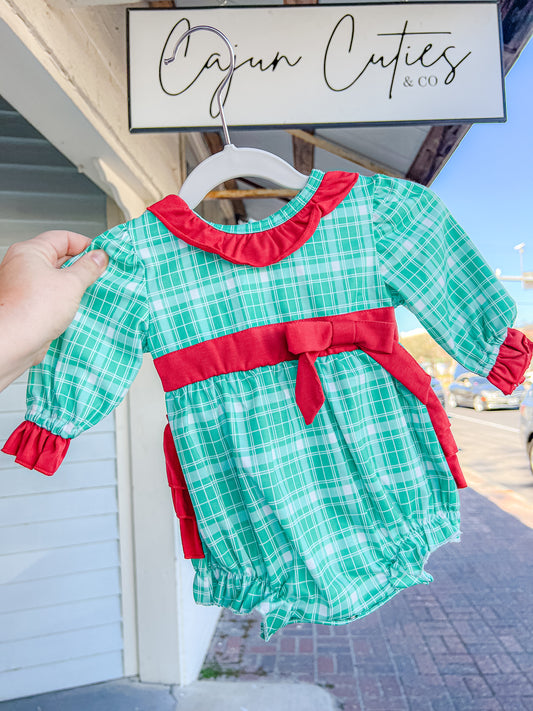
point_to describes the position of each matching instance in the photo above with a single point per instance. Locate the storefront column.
(174, 632)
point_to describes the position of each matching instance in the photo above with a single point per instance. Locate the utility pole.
(525, 277)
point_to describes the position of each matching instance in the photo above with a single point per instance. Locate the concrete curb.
(132, 695)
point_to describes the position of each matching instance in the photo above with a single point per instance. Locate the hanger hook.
(228, 76)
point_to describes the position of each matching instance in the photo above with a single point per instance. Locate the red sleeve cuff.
(512, 362)
(36, 448)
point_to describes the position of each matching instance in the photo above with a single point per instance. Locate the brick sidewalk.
(462, 643)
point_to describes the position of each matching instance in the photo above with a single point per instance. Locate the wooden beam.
(517, 29)
(257, 186)
(254, 193)
(438, 146)
(303, 154)
(441, 141)
(346, 153)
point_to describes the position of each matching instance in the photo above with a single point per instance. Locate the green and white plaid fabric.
(318, 523)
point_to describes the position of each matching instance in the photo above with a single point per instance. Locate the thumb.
(89, 267)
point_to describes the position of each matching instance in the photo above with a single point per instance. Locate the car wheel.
(479, 405)
(452, 402)
(530, 454)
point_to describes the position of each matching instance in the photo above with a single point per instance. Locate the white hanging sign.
(317, 65)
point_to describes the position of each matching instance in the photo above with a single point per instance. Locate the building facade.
(92, 583)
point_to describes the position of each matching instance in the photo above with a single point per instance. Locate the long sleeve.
(432, 268)
(87, 370)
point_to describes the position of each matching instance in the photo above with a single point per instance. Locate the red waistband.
(374, 331)
(305, 339)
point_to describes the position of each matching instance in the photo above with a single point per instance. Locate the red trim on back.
(257, 249)
(190, 537)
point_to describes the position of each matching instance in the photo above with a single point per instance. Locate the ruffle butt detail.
(512, 362)
(441, 424)
(36, 448)
(190, 538)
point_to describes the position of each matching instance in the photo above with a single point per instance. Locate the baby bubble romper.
(311, 465)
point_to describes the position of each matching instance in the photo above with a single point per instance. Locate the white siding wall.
(60, 605)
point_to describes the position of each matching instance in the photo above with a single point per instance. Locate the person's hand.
(38, 300)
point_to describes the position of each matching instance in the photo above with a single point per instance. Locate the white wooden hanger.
(233, 162)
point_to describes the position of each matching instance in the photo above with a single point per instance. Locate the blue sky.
(488, 186)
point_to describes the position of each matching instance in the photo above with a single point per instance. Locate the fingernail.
(100, 257)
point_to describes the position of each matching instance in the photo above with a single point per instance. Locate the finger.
(89, 267)
(63, 242)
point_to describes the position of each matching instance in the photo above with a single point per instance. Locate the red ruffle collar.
(263, 247)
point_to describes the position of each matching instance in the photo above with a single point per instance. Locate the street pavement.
(491, 447)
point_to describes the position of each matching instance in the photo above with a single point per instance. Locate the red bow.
(308, 340)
